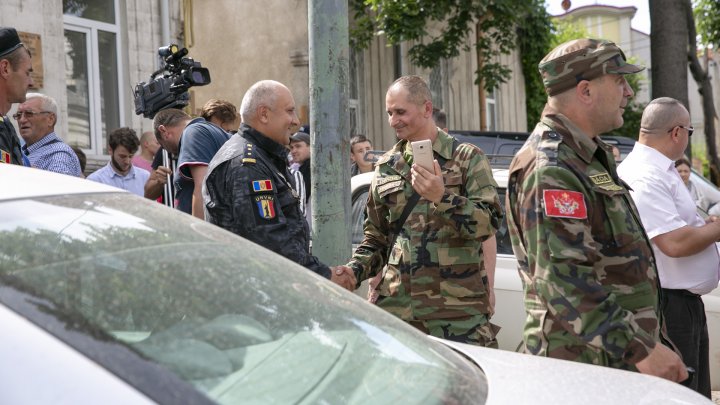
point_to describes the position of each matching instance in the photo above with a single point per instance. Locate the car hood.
(515, 378)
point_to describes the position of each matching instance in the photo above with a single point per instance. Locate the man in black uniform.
(15, 80)
(248, 189)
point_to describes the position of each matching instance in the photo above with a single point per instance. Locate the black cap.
(300, 137)
(9, 40)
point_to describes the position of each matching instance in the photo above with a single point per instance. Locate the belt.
(680, 292)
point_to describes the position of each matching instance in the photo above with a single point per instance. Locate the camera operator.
(194, 142)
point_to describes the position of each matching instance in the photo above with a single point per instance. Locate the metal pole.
(330, 138)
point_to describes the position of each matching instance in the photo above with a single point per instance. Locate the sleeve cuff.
(639, 347)
(445, 204)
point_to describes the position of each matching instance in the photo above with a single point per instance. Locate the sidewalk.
(716, 397)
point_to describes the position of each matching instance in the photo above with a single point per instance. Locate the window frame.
(91, 29)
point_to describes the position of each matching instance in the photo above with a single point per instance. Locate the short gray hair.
(47, 103)
(261, 93)
(660, 114)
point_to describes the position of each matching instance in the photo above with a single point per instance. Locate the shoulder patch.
(265, 205)
(249, 154)
(564, 204)
(5, 157)
(605, 182)
(260, 186)
(386, 179)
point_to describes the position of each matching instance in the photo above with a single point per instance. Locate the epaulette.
(549, 143)
(249, 154)
(389, 157)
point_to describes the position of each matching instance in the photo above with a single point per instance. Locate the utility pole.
(330, 139)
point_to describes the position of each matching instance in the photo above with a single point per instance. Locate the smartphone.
(423, 154)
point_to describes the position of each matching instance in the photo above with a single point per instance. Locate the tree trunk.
(708, 101)
(668, 45)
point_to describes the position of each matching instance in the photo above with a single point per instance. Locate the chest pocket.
(454, 182)
(287, 200)
(618, 216)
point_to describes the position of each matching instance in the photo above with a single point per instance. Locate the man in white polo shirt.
(684, 244)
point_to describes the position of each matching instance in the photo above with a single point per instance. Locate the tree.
(493, 22)
(709, 21)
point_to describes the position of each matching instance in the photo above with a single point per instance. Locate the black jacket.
(9, 143)
(249, 191)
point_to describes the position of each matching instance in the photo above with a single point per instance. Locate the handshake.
(343, 276)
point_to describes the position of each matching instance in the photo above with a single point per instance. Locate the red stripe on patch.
(564, 204)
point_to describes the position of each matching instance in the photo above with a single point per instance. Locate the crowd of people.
(613, 259)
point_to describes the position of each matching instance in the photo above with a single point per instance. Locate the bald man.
(684, 244)
(248, 189)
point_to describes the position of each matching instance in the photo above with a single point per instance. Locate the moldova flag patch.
(262, 185)
(564, 204)
(5, 157)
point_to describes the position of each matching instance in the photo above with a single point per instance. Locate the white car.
(509, 306)
(106, 298)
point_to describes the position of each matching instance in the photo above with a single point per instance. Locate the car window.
(237, 322)
(503, 235)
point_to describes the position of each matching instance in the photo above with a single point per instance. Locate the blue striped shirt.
(52, 154)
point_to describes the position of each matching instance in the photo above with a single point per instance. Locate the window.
(491, 110)
(356, 84)
(93, 78)
(437, 84)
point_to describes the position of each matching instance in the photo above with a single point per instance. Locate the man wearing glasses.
(15, 80)
(43, 149)
(684, 244)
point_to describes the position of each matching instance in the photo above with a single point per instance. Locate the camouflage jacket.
(591, 289)
(435, 268)
(249, 191)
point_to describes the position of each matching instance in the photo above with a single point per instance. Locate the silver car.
(106, 297)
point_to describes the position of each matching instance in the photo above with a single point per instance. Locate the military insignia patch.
(265, 206)
(262, 185)
(605, 182)
(4, 157)
(564, 204)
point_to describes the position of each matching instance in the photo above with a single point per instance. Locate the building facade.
(90, 54)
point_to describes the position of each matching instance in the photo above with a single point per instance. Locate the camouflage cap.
(582, 59)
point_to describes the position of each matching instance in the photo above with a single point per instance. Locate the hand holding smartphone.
(423, 154)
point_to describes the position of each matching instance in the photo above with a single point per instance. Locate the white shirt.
(665, 205)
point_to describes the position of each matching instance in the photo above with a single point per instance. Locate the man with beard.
(15, 80)
(120, 172)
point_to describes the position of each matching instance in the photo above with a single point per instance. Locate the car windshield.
(237, 322)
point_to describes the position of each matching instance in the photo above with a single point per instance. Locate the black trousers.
(687, 327)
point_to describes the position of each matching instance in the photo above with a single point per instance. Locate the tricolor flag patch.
(262, 185)
(265, 205)
(564, 204)
(5, 157)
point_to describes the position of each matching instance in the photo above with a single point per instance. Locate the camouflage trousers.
(474, 330)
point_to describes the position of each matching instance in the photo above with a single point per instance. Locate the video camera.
(170, 91)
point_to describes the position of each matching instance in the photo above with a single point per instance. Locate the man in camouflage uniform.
(434, 276)
(587, 266)
(248, 189)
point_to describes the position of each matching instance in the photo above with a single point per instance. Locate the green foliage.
(567, 30)
(534, 42)
(707, 21)
(408, 21)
